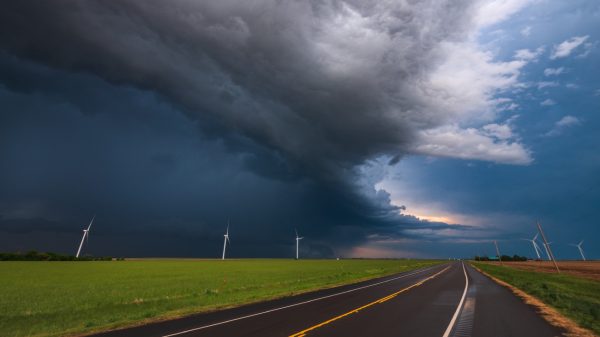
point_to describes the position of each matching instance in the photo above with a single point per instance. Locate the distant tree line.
(504, 258)
(49, 256)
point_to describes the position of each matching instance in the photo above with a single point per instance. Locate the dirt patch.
(585, 269)
(548, 313)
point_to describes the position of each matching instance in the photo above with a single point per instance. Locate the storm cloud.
(276, 113)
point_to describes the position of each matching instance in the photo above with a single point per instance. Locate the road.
(447, 300)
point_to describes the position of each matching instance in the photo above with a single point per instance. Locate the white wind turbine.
(535, 245)
(86, 235)
(580, 249)
(225, 240)
(298, 238)
(547, 252)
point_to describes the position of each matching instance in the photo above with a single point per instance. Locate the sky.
(375, 128)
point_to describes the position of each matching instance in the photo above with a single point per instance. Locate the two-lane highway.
(446, 300)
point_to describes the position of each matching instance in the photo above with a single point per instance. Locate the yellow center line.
(381, 300)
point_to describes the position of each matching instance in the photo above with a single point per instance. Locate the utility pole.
(549, 249)
(498, 253)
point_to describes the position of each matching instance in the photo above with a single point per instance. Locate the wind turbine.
(225, 241)
(580, 249)
(535, 245)
(546, 246)
(498, 252)
(298, 238)
(86, 235)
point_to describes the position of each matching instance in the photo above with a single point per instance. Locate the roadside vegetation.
(574, 297)
(66, 298)
(49, 256)
(504, 258)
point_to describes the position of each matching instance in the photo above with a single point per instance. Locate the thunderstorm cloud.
(170, 117)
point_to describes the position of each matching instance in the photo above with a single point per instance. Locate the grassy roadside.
(574, 297)
(68, 298)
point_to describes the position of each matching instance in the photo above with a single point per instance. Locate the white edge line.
(300, 303)
(462, 300)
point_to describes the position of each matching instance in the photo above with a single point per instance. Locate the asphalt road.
(447, 300)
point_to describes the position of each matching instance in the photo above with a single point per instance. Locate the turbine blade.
(90, 225)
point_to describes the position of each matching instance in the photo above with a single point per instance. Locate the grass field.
(575, 297)
(67, 298)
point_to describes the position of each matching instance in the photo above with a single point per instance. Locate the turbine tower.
(546, 246)
(498, 252)
(580, 249)
(86, 235)
(298, 238)
(535, 245)
(225, 240)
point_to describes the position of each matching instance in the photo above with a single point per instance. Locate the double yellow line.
(354, 311)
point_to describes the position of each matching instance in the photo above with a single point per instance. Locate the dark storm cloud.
(273, 71)
(105, 100)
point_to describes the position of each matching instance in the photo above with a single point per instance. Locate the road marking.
(460, 304)
(299, 303)
(354, 311)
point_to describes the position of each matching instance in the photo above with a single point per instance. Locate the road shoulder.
(551, 315)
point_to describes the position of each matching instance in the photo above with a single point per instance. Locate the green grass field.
(573, 296)
(67, 298)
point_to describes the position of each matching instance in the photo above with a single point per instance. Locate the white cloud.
(494, 11)
(491, 143)
(526, 31)
(564, 123)
(464, 90)
(544, 84)
(547, 102)
(587, 49)
(568, 121)
(529, 55)
(500, 131)
(597, 92)
(465, 85)
(565, 48)
(554, 71)
(572, 86)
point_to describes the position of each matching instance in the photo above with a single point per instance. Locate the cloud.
(495, 11)
(565, 48)
(554, 71)
(568, 121)
(564, 123)
(526, 31)
(546, 84)
(529, 55)
(296, 94)
(492, 143)
(587, 49)
(225, 65)
(547, 102)
(500, 131)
